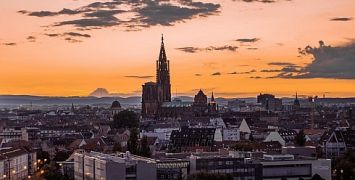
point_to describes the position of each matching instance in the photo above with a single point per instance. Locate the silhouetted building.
(212, 106)
(296, 103)
(269, 102)
(115, 108)
(201, 107)
(156, 96)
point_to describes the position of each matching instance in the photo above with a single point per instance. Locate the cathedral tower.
(163, 76)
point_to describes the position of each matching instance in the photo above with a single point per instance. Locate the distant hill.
(132, 100)
(82, 100)
(43, 100)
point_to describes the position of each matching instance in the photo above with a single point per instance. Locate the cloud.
(342, 19)
(270, 70)
(74, 34)
(139, 14)
(9, 44)
(255, 77)
(246, 40)
(210, 48)
(91, 22)
(38, 13)
(139, 77)
(97, 18)
(328, 62)
(221, 48)
(69, 36)
(262, 1)
(167, 14)
(52, 13)
(31, 39)
(245, 72)
(189, 49)
(252, 48)
(52, 35)
(290, 69)
(281, 64)
(103, 13)
(72, 40)
(198, 74)
(216, 74)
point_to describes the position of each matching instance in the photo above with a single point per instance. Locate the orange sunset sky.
(237, 48)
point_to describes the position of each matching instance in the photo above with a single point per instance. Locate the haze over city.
(235, 48)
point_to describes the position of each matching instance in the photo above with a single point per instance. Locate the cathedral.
(156, 96)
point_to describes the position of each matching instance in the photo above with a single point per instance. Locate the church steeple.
(212, 97)
(296, 103)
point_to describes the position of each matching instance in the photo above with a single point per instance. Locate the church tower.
(163, 76)
(296, 103)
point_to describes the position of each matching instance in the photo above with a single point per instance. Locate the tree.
(61, 156)
(300, 138)
(117, 147)
(43, 158)
(132, 144)
(125, 119)
(344, 166)
(144, 148)
(317, 177)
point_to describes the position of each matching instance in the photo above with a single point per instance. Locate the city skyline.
(234, 48)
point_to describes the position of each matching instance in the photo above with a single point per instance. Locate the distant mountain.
(100, 92)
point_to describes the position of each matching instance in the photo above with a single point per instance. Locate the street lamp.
(341, 174)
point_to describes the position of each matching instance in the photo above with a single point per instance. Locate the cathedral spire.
(162, 54)
(162, 39)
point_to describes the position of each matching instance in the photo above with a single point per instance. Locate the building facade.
(17, 163)
(286, 166)
(238, 168)
(122, 166)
